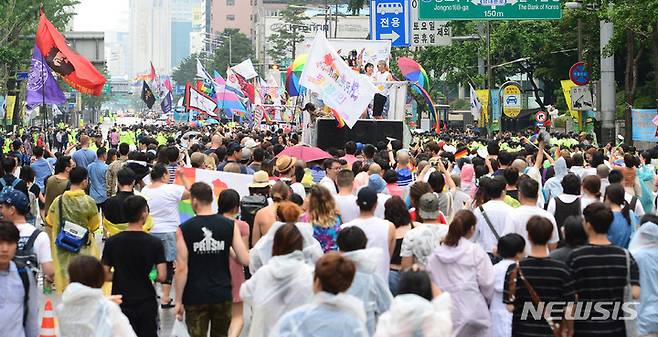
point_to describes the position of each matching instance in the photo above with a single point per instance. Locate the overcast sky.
(101, 15)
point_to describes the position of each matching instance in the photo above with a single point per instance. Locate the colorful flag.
(245, 69)
(76, 70)
(461, 154)
(247, 88)
(336, 83)
(152, 74)
(147, 95)
(196, 100)
(166, 103)
(202, 73)
(476, 106)
(41, 85)
(232, 80)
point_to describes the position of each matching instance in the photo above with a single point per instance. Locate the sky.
(101, 15)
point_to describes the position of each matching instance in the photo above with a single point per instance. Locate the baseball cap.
(366, 198)
(428, 206)
(260, 179)
(17, 199)
(233, 147)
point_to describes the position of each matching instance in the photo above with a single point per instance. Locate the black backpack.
(26, 257)
(249, 205)
(23, 273)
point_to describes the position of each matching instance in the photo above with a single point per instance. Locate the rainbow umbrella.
(294, 73)
(414, 73)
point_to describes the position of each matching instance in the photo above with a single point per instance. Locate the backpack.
(249, 205)
(6, 188)
(25, 279)
(26, 256)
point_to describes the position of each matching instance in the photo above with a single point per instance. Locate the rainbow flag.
(339, 120)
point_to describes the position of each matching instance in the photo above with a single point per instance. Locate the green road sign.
(489, 9)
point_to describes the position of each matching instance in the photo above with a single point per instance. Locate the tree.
(355, 6)
(285, 38)
(20, 18)
(237, 50)
(186, 70)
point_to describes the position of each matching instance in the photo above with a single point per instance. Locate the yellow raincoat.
(80, 209)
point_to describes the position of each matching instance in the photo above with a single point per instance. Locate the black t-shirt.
(208, 239)
(552, 280)
(600, 275)
(113, 207)
(133, 254)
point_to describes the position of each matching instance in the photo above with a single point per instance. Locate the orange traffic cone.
(48, 321)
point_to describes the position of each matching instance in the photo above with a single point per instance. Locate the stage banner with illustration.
(219, 181)
(644, 128)
(338, 86)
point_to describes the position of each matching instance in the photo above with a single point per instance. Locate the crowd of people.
(451, 235)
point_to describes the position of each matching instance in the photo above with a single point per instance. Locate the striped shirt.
(600, 275)
(172, 173)
(552, 280)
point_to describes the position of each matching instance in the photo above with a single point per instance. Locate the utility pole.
(336, 24)
(608, 90)
(490, 80)
(326, 18)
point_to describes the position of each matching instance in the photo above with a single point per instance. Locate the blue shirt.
(42, 169)
(97, 187)
(620, 230)
(12, 295)
(84, 157)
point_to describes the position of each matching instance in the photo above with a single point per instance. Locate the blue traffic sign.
(579, 74)
(21, 75)
(391, 20)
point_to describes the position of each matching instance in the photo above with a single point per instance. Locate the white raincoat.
(644, 247)
(413, 316)
(553, 186)
(262, 251)
(328, 315)
(85, 312)
(465, 271)
(283, 284)
(368, 286)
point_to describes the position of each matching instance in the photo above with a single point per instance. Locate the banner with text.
(643, 127)
(336, 83)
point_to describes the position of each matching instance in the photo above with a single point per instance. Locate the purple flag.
(40, 76)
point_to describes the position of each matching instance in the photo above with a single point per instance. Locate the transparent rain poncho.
(413, 316)
(262, 251)
(278, 287)
(328, 315)
(85, 312)
(368, 286)
(644, 248)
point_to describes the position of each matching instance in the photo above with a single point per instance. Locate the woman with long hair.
(396, 212)
(620, 229)
(281, 285)
(463, 269)
(324, 216)
(266, 216)
(228, 205)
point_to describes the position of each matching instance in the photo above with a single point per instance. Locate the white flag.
(245, 69)
(200, 102)
(476, 106)
(336, 83)
(202, 73)
(56, 111)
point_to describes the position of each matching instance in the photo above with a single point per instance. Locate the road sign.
(512, 101)
(21, 75)
(490, 10)
(428, 33)
(391, 20)
(579, 74)
(581, 98)
(540, 117)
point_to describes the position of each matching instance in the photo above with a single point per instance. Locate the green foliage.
(185, 71)
(240, 50)
(94, 103)
(285, 38)
(21, 18)
(355, 6)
